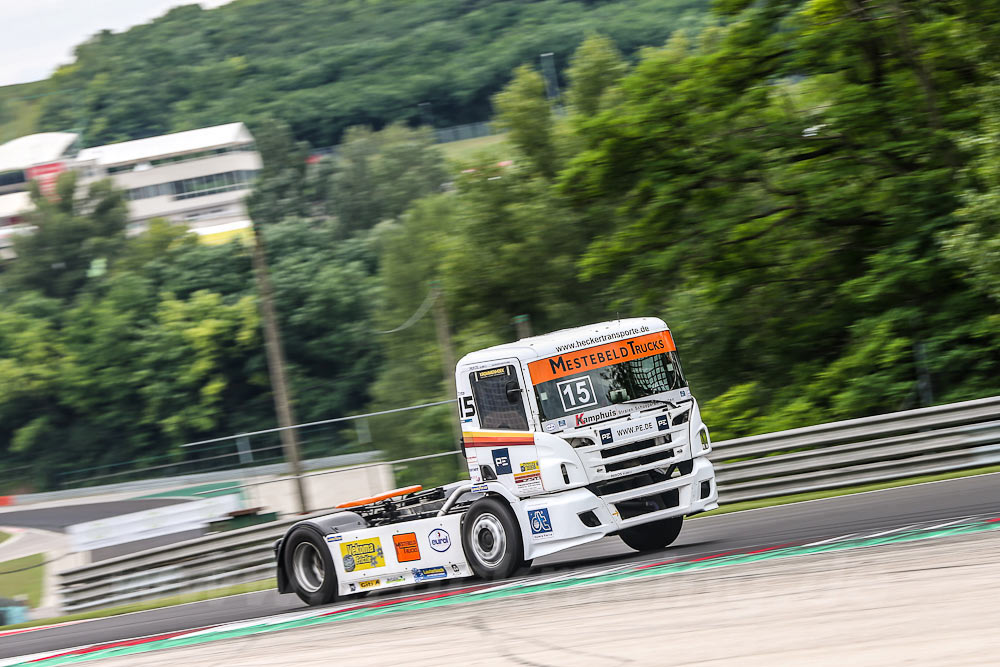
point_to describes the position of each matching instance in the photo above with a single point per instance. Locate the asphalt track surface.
(57, 519)
(786, 524)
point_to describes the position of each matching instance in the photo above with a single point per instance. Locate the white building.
(198, 178)
(37, 156)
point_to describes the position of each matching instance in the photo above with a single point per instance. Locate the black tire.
(309, 567)
(651, 536)
(491, 539)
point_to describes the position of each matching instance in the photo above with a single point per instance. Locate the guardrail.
(839, 454)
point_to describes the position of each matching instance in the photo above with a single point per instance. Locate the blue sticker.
(334, 538)
(502, 460)
(428, 573)
(606, 438)
(541, 525)
(480, 488)
(439, 539)
(662, 423)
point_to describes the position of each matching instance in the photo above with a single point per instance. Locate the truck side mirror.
(513, 392)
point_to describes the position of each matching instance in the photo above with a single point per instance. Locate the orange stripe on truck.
(497, 439)
(599, 356)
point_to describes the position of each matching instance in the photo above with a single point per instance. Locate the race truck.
(569, 437)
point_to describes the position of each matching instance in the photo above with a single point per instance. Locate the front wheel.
(655, 535)
(491, 539)
(310, 569)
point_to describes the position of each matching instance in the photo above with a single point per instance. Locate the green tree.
(74, 229)
(595, 68)
(523, 110)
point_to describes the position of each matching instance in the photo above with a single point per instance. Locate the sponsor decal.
(501, 459)
(603, 338)
(492, 372)
(528, 482)
(407, 548)
(362, 554)
(395, 580)
(633, 428)
(454, 568)
(562, 423)
(353, 587)
(369, 584)
(334, 538)
(428, 573)
(550, 427)
(529, 465)
(571, 363)
(439, 539)
(480, 488)
(541, 525)
(497, 439)
(466, 421)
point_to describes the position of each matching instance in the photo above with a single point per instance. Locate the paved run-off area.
(923, 602)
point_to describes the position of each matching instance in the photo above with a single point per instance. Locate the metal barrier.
(943, 438)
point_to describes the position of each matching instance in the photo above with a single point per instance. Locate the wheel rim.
(308, 566)
(489, 540)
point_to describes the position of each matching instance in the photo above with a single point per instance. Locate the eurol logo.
(439, 539)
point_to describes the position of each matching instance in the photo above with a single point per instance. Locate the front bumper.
(579, 516)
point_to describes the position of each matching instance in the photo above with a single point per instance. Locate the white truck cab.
(569, 437)
(588, 431)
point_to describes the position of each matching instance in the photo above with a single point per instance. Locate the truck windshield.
(610, 385)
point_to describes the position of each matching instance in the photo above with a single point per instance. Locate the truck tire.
(309, 567)
(491, 539)
(656, 535)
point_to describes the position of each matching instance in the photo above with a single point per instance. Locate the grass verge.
(832, 493)
(4, 537)
(151, 604)
(24, 577)
(466, 149)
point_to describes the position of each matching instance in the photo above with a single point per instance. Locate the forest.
(323, 66)
(805, 191)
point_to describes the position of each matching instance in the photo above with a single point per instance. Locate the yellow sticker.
(371, 583)
(362, 554)
(529, 465)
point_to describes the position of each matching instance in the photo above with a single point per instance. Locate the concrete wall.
(322, 491)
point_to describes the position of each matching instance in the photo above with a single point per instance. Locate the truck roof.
(564, 340)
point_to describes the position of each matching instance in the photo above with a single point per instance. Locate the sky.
(36, 36)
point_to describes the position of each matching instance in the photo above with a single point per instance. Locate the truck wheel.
(491, 539)
(656, 535)
(310, 568)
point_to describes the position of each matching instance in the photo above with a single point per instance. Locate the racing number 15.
(577, 393)
(468, 408)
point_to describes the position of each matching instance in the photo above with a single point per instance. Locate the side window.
(498, 398)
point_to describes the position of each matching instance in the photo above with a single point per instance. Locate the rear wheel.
(491, 539)
(310, 568)
(655, 535)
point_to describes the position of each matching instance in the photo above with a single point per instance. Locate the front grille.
(637, 446)
(640, 479)
(629, 482)
(628, 509)
(642, 460)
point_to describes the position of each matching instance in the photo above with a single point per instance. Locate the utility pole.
(443, 329)
(276, 365)
(522, 324)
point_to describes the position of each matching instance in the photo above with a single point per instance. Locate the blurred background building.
(198, 178)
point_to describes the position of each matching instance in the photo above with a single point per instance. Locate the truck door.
(499, 397)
